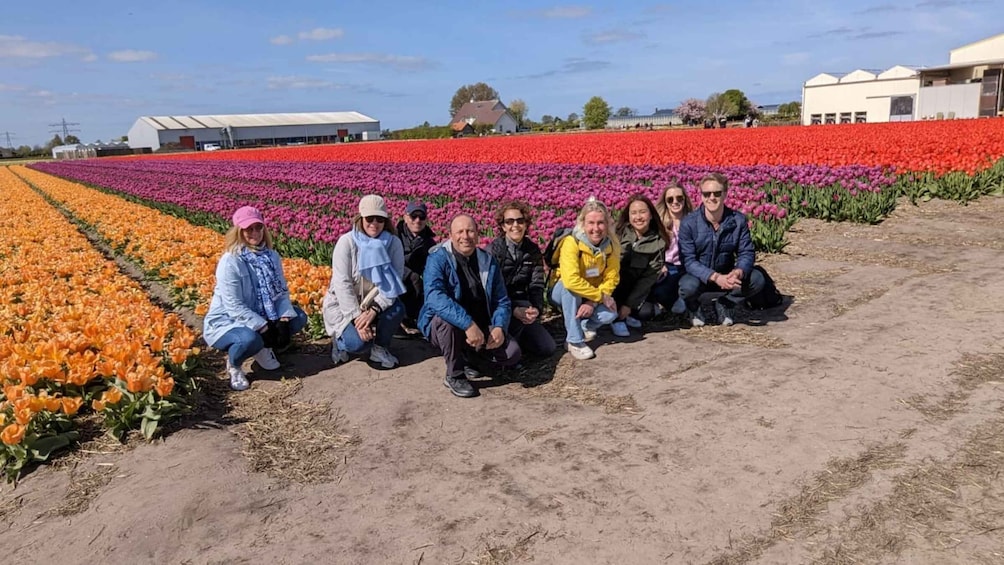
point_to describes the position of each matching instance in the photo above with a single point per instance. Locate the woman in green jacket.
(643, 253)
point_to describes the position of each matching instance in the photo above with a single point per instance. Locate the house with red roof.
(486, 113)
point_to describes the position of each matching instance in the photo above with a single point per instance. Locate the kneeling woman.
(361, 308)
(250, 313)
(643, 255)
(587, 274)
(522, 266)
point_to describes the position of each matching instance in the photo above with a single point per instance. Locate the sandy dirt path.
(861, 422)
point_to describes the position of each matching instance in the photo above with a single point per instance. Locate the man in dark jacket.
(717, 253)
(466, 311)
(418, 239)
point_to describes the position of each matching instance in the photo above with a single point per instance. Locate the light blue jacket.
(235, 298)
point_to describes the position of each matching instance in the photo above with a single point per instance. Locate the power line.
(65, 127)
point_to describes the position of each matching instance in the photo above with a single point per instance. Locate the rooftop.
(254, 120)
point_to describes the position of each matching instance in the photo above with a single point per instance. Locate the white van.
(210, 146)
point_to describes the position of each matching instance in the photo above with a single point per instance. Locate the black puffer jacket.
(524, 274)
(416, 248)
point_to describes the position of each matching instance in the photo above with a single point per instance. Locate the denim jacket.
(442, 290)
(235, 298)
(705, 251)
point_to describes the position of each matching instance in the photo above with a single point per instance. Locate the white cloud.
(402, 62)
(298, 83)
(613, 36)
(281, 40)
(567, 12)
(321, 34)
(11, 87)
(17, 47)
(794, 58)
(131, 56)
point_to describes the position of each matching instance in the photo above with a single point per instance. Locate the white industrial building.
(969, 86)
(250, 130)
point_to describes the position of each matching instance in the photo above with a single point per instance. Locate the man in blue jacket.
(717, 254)
(466, 311)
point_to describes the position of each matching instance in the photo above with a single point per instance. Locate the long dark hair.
(654, 221)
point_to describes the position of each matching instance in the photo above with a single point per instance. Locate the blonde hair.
(594, 205)
(232, 241)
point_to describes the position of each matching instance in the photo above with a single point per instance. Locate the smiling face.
(254, 234)
(639, 216)
(514, 224)
(595, 225)
(373, 225)
(713, 196)
(674, 199)
(464, 235)
(416, 221)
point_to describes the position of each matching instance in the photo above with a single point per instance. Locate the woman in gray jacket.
(361, 308)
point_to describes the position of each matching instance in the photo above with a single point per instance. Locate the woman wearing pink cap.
(250, 314)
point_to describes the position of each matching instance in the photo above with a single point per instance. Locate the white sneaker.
(338, 356)
(697, 318)
(620, 329)
(379, 354)
(238, 381)
(587, 333)
(633, 322)
(580, 351)
(266, 359)
(679, 307)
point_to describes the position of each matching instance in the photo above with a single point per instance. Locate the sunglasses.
(511, 221)
(375, 219)
(418, 216)
(713, 193)
(680, 198)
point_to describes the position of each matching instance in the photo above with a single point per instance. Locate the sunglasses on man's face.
(712, 193)
(418, 216)
(511, 221)
(375, 219)
(680, 198)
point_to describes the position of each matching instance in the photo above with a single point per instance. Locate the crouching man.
(466, 311)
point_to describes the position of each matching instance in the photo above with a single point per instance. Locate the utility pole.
(65, 128)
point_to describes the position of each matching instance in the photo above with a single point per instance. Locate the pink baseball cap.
(247, 216)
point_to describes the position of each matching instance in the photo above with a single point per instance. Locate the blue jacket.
(705, 251)
(235, 298)
(442, 290)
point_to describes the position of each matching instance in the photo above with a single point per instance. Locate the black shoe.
(470, 372)
(459, 386)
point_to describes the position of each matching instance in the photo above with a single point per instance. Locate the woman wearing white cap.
(361, 308)
(250, 313)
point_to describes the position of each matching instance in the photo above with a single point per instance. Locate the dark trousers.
(413, 297)
(691, 289)
(667, 290)
(532, 338)
(452, 342)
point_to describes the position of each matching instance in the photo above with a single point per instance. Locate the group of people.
(482, 308)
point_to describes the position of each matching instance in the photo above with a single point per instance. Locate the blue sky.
(103, 64)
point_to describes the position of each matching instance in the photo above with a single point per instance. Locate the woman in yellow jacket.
(587, 274)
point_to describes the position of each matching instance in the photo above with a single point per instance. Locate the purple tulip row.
(316, 201)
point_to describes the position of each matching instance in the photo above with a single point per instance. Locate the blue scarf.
(374, 262)
(269, 284)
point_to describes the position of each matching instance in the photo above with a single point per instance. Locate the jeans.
(387, 323)
(691, 289)
(243, 343)
(452, 342)
(666, 291)
(569, 303)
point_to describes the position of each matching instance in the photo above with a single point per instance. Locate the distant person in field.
(417, 238)
(250, 314)
(522, 265)
(717, 253)
(467, 310)
(362, 309)
(673, 206)
(643, 258)
(588, 272)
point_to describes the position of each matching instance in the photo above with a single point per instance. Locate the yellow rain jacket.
(586, 271)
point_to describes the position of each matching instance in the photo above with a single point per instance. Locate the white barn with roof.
(250, 130)
(968, 87)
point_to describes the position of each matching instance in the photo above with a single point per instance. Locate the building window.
(845, 117)
(831, 119)
(900, 108)
(860, 117)
(816, 119)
